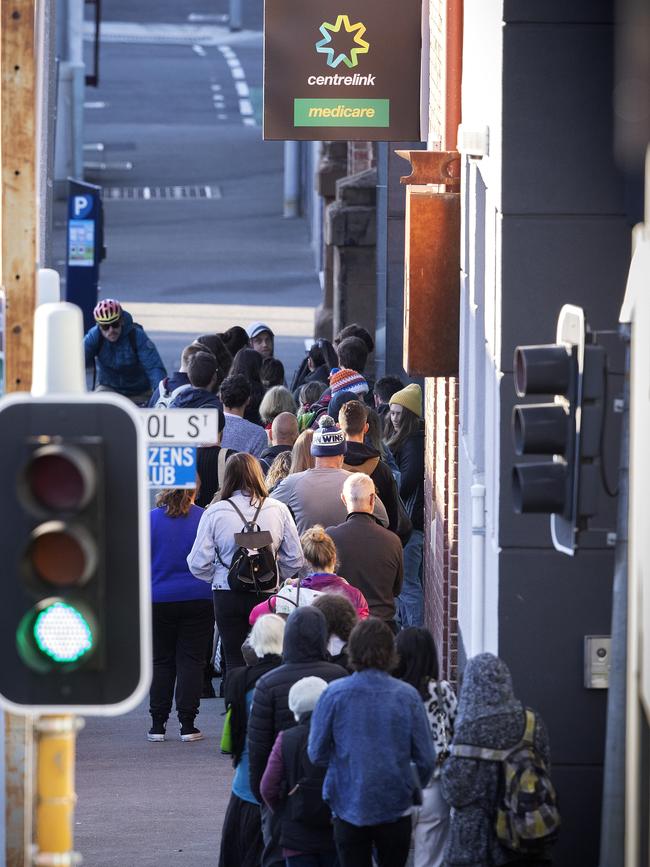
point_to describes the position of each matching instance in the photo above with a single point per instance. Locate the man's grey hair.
(357, 490)
(267, 635)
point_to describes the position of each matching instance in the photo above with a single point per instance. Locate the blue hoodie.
(118, 366)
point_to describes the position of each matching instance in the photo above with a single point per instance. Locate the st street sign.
(342, 70)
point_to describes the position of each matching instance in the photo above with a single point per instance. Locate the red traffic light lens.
(60, 478)
(60, 555)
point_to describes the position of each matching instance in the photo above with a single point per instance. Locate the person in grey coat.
(489, 716)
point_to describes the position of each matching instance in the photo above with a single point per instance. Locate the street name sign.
(173, 436)
(197, 427)
(342, 70)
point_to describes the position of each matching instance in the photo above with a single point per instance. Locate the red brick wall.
(441, 519)
(361, 156)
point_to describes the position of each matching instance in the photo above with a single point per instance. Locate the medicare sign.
(342, 70)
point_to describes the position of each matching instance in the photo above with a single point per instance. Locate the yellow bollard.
(56, 796)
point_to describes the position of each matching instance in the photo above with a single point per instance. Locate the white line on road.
(239, 79)
(97, 104)
(199, 49)
(215, 86)
(198, 18)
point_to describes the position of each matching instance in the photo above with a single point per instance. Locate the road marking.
(250, 121)
(215, 86)
(200, 318)
(239, 80)
(97, 104)
(158, 33)
(242, 89)
(199, 49)
(198, 18)
(245, 107)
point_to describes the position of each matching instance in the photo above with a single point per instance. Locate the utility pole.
(18, 275)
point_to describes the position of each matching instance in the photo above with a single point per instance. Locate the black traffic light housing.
(75, 553)
(568, 429)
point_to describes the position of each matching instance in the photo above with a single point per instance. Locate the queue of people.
(299, 555)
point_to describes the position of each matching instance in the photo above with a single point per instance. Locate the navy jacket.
(304, 653)
(120, 367)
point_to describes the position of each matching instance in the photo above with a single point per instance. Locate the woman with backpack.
(292, 784)
(220, 557)
(418, 665)
(491, 722)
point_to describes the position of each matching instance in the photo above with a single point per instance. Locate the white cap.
(304, 694)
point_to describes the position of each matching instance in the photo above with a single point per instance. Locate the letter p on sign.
(82, 206)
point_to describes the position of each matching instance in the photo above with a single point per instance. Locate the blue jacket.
(118, 366)
(171, 541)
(367, 729)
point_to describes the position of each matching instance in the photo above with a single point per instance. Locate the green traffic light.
(55, 634)
(63, 633)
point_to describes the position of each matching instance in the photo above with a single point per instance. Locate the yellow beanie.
(410, 397)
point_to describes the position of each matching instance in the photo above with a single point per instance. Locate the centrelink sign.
(342, 69)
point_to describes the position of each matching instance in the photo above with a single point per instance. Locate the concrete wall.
(543, 225)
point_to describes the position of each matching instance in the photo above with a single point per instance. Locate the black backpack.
(254, 568)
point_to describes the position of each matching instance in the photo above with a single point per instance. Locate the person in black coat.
(304, 654)
(404, 436)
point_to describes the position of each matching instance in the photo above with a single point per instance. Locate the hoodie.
(304, 654)
(120, 367)
(489, 716)
(362, 458)
(195, 398)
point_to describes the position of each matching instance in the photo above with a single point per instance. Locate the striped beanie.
(344, 379)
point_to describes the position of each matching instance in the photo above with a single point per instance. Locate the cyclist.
(126, 360)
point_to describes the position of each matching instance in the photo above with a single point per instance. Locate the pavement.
(151, 804)
(196, 242)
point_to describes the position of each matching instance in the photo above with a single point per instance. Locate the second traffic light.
(568, 429)
(73, 536)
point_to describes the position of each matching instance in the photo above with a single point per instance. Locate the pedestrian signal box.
(75, 553)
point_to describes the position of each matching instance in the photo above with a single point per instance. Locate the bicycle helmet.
(107, 311)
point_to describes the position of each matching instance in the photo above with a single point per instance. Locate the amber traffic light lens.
(60, 479)
(60, 555)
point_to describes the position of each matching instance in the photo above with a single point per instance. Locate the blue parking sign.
(172, 466)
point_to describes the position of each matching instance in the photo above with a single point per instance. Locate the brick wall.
(436, 73)
(441, 520)
(361, 156)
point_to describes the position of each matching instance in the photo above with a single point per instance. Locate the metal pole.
(612, 845)
(291, 207)
(56, 795)
(236, 14)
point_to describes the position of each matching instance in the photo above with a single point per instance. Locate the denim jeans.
(410, 602)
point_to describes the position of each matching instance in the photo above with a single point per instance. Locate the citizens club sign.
(342, 70)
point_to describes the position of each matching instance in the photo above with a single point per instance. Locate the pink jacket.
(323, 581)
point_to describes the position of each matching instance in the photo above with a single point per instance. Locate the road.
(196, 242)
(193, 196)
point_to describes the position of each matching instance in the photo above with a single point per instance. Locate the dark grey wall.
(565, 239)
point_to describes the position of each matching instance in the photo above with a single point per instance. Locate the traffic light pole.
(18, 268)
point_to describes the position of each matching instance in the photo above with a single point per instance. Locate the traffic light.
(74, 547)
(568, 429)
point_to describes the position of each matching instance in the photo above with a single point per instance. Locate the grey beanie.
(304, 694)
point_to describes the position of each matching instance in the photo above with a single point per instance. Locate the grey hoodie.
(490, 716)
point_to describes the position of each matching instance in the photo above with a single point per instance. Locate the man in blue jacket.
(126, 360)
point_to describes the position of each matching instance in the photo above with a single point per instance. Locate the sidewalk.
(151, 804)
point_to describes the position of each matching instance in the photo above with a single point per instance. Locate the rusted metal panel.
(431, 282)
